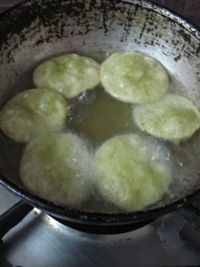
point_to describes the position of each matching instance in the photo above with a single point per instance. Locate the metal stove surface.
(40, 241)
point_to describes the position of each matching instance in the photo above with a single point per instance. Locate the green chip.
(134, 77)
(57, 167)
(132, 172)
(33, 112)
(171, 117)
(69, 74)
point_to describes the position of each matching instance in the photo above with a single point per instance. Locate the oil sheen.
(96, 116)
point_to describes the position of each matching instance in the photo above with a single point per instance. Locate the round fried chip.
(57, 167)
(134, 77)
(33, 112)
(171, 117)
(132, 172)
(69, 74)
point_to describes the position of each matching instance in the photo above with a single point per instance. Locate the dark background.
(188, 9)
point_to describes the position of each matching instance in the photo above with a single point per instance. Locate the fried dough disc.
(56, 167)
(33, 112)
(171, 117)
(131, 172)
(69, 74)
(134, 77)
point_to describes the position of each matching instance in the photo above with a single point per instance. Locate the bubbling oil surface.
(96, 116)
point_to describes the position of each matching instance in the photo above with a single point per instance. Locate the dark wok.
(39, 29)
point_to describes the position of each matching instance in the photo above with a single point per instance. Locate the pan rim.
(148, 4)
(91, 217)
(167, 12)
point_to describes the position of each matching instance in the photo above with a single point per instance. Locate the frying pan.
(35, 30)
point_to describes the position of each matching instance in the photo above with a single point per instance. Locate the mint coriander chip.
(33, 112)
(69, 74)
(132, 172)
(172, 117)
(134, 77)
(57, 167)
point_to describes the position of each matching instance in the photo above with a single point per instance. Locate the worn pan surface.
(36, 30)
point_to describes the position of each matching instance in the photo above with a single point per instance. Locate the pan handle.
(13, 216)
(192, 214)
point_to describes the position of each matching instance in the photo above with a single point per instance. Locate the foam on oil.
(96, 116)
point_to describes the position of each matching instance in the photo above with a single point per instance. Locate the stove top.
(39, 240)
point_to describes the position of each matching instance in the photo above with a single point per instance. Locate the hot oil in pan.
(96, 116)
